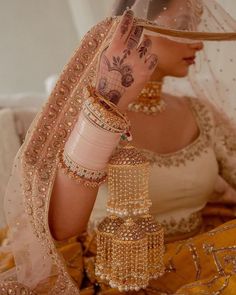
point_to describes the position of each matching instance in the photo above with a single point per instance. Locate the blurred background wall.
(38, 37)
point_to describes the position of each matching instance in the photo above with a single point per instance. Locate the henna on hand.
(134, 37)
(125, 70)
(124, 64)
(126, 22)
(121, 75)
(102, 85)
(114, 96)
(152, 61)
(145, 45)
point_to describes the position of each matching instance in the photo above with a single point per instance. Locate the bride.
(56, 185)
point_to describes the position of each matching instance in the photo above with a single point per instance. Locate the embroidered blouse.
(182, 182)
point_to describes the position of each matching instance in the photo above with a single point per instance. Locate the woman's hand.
(125, 67)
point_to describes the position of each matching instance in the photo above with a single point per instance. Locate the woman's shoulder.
(201, 106)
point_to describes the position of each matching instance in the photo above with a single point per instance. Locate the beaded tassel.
(130, 243)
(105, 233)
(130, 256)
(128, 183)
(155, 234)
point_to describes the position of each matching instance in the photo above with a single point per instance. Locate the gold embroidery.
(47, 136)
(220, 261)
(221, 229)
(213, 285)
(40, 158)
(184, 225)
(196, 260)
(209, 286)
(15, 288)
(231, 259)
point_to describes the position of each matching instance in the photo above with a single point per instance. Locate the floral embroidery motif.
(184, 225)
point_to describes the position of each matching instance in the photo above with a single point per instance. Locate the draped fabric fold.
(39, 265)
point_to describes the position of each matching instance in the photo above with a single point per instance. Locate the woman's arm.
(70, 207)
(125, 67)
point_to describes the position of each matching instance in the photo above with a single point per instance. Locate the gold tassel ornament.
(105, 234)
(128, 172)
(155, 235)
(130, 256)
(130, 243)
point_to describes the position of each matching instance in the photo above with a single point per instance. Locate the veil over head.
(213, 76)
(38, 263)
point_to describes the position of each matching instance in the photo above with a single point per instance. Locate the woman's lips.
(190, 60)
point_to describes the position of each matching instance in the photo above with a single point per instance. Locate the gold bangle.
(96, 113)
(108, 104)
(89, 178)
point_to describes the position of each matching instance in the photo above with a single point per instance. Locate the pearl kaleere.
(130, 243)
(128, 172)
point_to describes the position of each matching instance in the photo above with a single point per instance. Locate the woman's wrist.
(93, 140)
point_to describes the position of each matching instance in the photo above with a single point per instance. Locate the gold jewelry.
(130, 258)
(103, 118)
(82, 171)
(128, 183)
(149, 101)
(155, 234)
(89, 178)
(131, 245)
(105, 235)
(110, 113)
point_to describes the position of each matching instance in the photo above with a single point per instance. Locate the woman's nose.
(197, 46)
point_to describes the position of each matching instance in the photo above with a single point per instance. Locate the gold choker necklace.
(149, 101)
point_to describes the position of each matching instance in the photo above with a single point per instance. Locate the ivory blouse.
(181, 183)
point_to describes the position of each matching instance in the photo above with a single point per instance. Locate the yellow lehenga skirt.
(203, 264)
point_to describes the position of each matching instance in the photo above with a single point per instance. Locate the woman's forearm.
(70, 207)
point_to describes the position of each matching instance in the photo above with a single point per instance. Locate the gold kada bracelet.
(105, 114)
(90, 178)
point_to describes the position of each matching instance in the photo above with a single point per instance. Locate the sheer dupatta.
(38, 262)
(29, 188)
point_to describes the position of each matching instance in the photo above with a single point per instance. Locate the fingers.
(144, 48)
(124, 28)
(144, 52)
(134, 37)
(151, 62)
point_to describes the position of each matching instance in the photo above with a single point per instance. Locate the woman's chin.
(181, 73)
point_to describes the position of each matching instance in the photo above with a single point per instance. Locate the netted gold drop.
(155, 234)
(105, 233)
(128, 172)
(129, 258)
